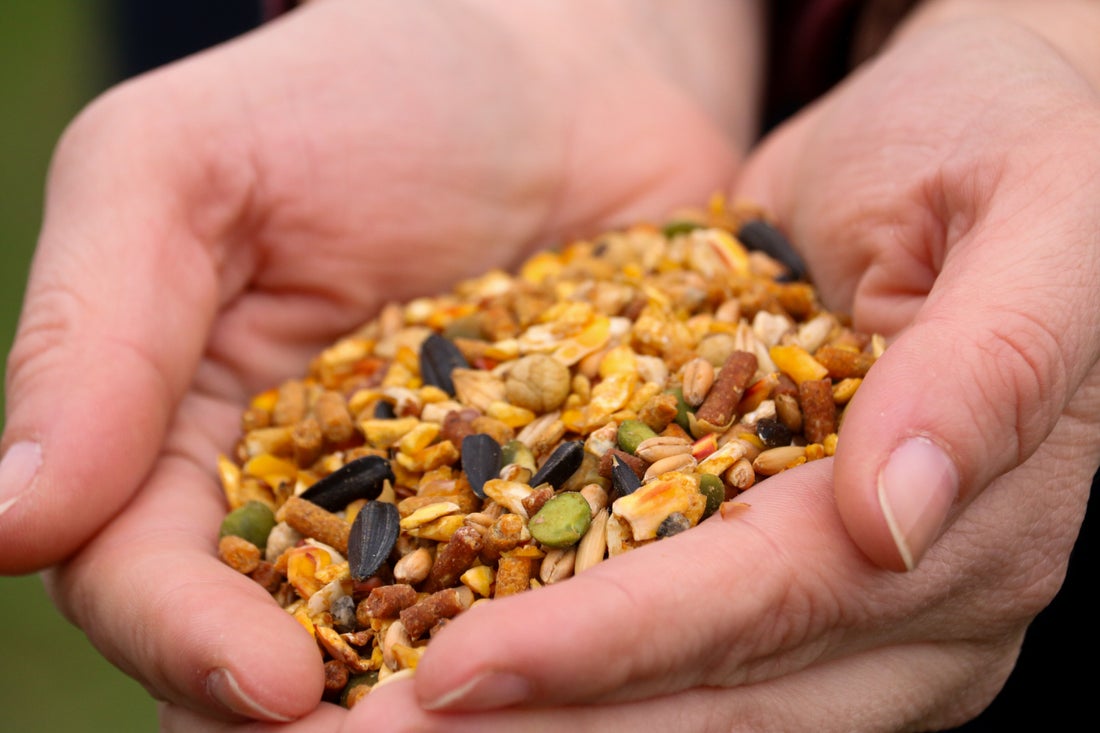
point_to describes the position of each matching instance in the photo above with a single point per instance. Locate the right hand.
(212, 225)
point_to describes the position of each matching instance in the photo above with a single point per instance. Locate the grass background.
(52, 61)
(55, 56)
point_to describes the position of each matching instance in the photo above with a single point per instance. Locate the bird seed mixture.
(526, 426)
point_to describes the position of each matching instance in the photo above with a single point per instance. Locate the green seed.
(682, 409)
(370, 679)
(632, 433)
(517, 452)
(562, 521)
(464, 327)
(677, 227)
(252, 521)
(711, 487)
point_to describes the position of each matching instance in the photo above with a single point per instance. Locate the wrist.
(1071, 27)
(711, 51)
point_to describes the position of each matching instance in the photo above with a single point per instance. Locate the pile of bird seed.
(526, 426)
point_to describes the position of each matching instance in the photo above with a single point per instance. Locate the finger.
(901, 688)
(176, 719)
(1002, 360)
(153, 597)
(651, 615)
(118, 304)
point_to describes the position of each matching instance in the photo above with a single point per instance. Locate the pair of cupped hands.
(211, 226)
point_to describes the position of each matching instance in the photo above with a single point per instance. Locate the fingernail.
(916, 489)
(18, 468)
(484, 692)
(223, 687)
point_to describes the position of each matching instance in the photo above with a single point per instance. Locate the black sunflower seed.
(623, 479)
(363, 478)
(762, 236)
(384, 410)
(373, 534)
(481, 460)
(438, 358)
(562, 463)
(773, 433)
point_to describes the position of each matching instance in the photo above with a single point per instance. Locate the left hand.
(945, 195)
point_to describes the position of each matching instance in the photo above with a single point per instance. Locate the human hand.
(944, 196)
(211, 226)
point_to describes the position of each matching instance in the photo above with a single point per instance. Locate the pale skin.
(945, 195)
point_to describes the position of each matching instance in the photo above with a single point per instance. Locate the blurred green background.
(52, 61)
(55, 56)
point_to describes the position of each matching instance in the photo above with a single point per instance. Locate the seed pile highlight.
(524, 427)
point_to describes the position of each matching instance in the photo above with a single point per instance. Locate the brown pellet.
(454, 558)
(313, 521)
(721, 401)
(818, 409)
(425, 613)
(384, 602)
(238, 553)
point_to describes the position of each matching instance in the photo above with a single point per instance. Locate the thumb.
(117, 307)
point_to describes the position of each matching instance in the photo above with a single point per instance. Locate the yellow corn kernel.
(362, 399)
(511, 415)
(230, 475)
(407, 656)
(399, 375)
(430, 394)
(418, 438)
(440, 454)
(429, 513)
(301, 615)
(439, 530)
(479, 579)
(797, 363)
(845, 390)
(731, 252)
(382, 433)
(265, 400)
(337, 571)
(574, 420)
(591, 338)
(618, 360)
(540, 267)
(271, 469)
(302, 565)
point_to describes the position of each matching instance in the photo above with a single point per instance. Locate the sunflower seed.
(363, 478)
(481, 460)
(438, 358)
(561, 464)
(372, 537)
(762, 236)
(623, 479)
